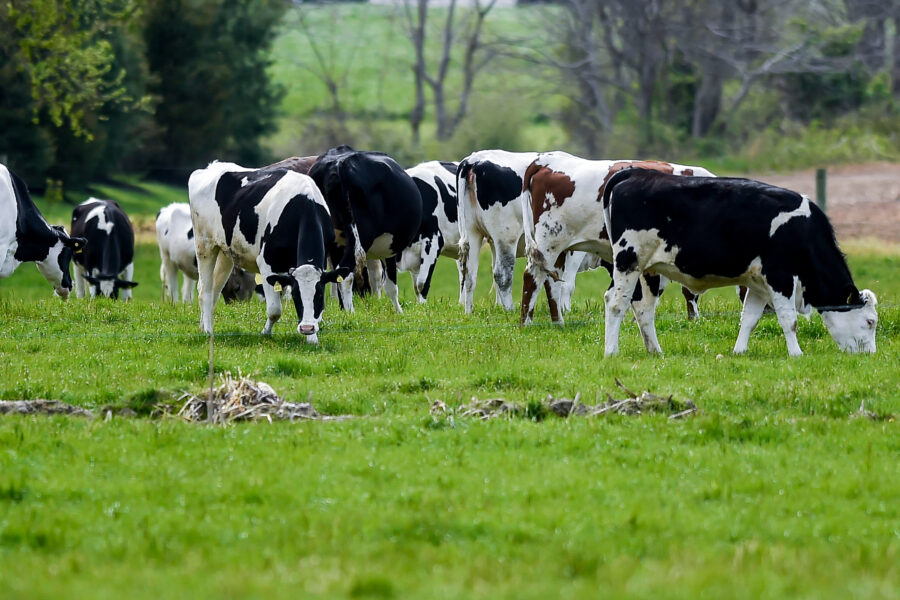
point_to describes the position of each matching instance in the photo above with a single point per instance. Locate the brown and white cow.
(563, 211)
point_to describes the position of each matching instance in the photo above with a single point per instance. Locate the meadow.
(774, 489)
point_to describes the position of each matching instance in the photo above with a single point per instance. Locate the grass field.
(773, 490)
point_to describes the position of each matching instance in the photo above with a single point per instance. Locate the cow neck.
(829, 284)
(33, 232)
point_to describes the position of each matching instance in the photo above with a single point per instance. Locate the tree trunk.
(895, 71)
(417, 114)
(708, 100)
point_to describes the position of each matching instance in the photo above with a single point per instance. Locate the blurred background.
(90, 89)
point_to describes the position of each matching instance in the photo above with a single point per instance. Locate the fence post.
(820, 188)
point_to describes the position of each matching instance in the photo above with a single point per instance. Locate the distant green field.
(773, 490)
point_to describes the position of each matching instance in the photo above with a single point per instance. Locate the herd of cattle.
(348, 217)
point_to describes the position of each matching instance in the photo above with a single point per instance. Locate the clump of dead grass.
(633, 404)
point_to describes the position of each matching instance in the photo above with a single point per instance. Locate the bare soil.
(863, 201)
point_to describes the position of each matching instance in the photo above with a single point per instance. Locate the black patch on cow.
(448, 200)
(190, 233)
(720, 225)
(105, 254)
(495, 184)
(34, 236)
(369, 190)
(239, 201)
(626, 260)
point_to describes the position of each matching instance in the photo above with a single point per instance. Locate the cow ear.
(75, 243)
(336, 275)
(126, 284)
(868, 297)
(274, 279)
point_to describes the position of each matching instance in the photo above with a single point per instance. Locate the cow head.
(307, 284)
(55, 268)
(240, 286)
(853, 327)
(108, 285)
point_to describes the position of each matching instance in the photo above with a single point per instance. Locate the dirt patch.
(42, 407)
(862, 200)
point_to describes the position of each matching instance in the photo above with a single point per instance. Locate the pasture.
(774, 489)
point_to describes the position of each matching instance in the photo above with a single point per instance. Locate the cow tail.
(615, 180)
(532, 255)
(464, 189)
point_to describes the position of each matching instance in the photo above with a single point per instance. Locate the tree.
(208, 59)
(466, 28)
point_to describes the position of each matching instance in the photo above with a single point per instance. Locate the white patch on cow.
(854, 330)
(8, 217)
(307, 277)
(381, 246)
(800, 211)
(99, 213)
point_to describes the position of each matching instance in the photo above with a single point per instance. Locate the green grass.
(772, 491)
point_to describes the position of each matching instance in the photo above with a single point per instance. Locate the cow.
(439, 231)
(376, 209)
(706, 233)
(489, 187)
(25, 236)
(175, 234)
(272, 221)
(562, 211)
(106, 266)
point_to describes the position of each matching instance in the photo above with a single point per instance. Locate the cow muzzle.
(307, 328)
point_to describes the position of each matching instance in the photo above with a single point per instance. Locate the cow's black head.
(55, 267)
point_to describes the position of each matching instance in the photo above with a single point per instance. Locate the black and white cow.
(376, 209)
(106, 265)
(706, 233)
(489, 186)
(272, 221)
(439, 232)
(175, 234)
(25, 236)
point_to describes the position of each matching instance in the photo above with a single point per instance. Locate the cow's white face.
(854, 330)
(309, 299)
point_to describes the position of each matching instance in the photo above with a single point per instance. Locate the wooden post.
(820, 188)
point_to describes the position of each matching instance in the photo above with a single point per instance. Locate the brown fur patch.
(300, 164)
(543, 182)
(654, 165)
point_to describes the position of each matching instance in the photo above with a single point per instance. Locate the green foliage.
(208, 59)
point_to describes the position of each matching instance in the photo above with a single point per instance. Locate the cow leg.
(128, 275)
(345, 291)
(79, 280)
(533, 278)
(504, 267)
(552, 302)
(206, 267)
(274, 305)
(691, 302)
(469, 250)
(786, 311)
(376, 277)
(617, 298)
(567, 267)
(754, 304)
(390, 282)
(187, 289)
(645, 310)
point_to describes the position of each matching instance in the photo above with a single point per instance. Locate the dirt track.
(863, 200)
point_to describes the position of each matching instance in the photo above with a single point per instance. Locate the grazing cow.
(376, 209)
(107, 263)
(562, 211)
(25, 236)
(272, 221)
(175, 234)
(706, 233)
(439, 232)
(489, 186)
